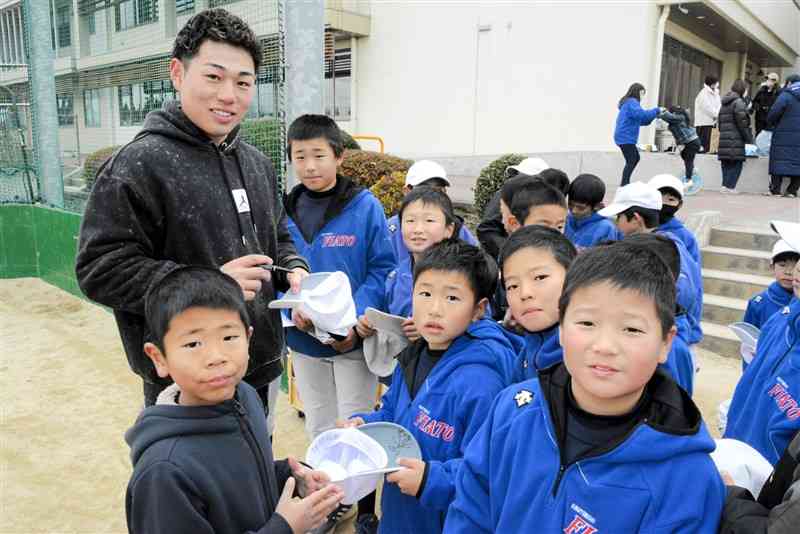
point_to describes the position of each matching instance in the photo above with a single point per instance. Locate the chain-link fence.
(110, 61)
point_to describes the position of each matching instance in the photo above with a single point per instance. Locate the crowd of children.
(578, 400)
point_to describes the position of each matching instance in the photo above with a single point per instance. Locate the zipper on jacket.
(252, 442)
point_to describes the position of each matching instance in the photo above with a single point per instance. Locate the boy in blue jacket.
(604, 442)
(762, 306)
(764, 411)
(202, 458)
(534, 262)
(337, 226)
(443, 385)
(585, 228)
(671, 190)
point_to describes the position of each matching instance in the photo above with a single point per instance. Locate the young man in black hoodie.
(189, 191)
(201, 458)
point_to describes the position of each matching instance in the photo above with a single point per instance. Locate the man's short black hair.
(624, 267)
(587, 189)
(454, 255)
(512, 185)
(711, 80)
(215, 25)
(310, 126)
(532, 195)
(432, 196)
(540, 237)
(191, 287)
(649, 216)
(786, 256)
(555, 178)
(665, 247)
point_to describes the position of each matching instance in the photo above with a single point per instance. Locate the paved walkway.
(745, 211)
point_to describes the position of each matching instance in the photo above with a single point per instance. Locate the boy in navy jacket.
(762, 306)
(585, 228)
(202, 459)
(338, 226)
(671, 190)
(534, 262)
(604, 442)
(443, 385)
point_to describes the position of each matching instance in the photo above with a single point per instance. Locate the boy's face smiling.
(423, 226)
(216, 87)
(315, 164)
(552, 216)
(784, 272)
(205, 353)
(612, 340)
(444, 306)
(533, 280)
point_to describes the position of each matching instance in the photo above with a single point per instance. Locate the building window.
(336, 89)
(65, 113)
(138, 99)
(62, 31)
(132, 13)
(92, 24)
(11, 47)
(220, 3)
(91, 108)
(184, 6)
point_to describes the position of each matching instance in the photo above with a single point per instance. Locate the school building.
(432, 78)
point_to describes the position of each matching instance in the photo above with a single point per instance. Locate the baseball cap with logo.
(782, 247)
(529, 166)
(425, 170)
(661, 181)
(773, 76)
(636, 194)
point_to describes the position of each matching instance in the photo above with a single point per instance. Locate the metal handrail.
(372, 138)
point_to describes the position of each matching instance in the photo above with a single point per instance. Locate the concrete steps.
(736, 266)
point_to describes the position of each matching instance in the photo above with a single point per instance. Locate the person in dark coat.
(189, 191)
(734, 134)
(777, 509)
(764, 99)
(784, 153)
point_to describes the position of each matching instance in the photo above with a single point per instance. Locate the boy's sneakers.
(790, 195)
(367, 524)
(724, 189)
(333, 519)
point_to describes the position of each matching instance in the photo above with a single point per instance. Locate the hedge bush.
(366, 167)
(389, 191)
(93, 163)
(265, 135)
(491, 179)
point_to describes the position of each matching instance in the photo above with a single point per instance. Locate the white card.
(241, 200)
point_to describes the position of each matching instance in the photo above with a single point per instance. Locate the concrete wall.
(781, 18)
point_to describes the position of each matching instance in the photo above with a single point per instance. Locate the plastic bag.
(764, 142)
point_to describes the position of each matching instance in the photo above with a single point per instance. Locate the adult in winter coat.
(706, 110)
(734, 134)
(189, 191)
(784, 154)
(630, 118)
(763, 101)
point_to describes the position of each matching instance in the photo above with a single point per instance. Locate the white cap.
(529, 166)
(789, 232)
(667, 180)
(637, 194)
(425, 170)
(773, 76)
(780, 247)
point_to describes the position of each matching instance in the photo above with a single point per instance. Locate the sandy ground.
(67, 397)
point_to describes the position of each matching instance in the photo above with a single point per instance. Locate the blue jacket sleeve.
(644, 116)
(751, 314)
(470, 511)
(380, 261)
(466, 236)
(388, 401)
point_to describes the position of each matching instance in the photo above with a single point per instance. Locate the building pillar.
(44, 111)
(167, 19)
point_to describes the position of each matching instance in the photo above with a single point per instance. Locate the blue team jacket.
(680, 363)
(765, 304)
(399, 284)
(660, 479)
(764, 412)
(447, 411)
(631, 116)
(356, 242)
(591, 230)
(689, 296)
(542, 349)
(401, 252)
(676, 227)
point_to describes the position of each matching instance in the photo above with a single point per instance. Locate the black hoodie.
(164, 200)
(205, 469)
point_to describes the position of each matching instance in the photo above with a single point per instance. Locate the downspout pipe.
(658, 57)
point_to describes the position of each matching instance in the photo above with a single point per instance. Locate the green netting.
(111, 69)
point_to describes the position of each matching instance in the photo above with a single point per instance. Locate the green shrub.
(491, 179)
(267, 136)
(349, 142)
(389, 191)
(366, 168)
(93, 163)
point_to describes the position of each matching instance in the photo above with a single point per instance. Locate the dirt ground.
(67, 397)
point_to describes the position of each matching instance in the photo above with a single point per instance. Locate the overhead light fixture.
(700, 17)
(683, 9)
